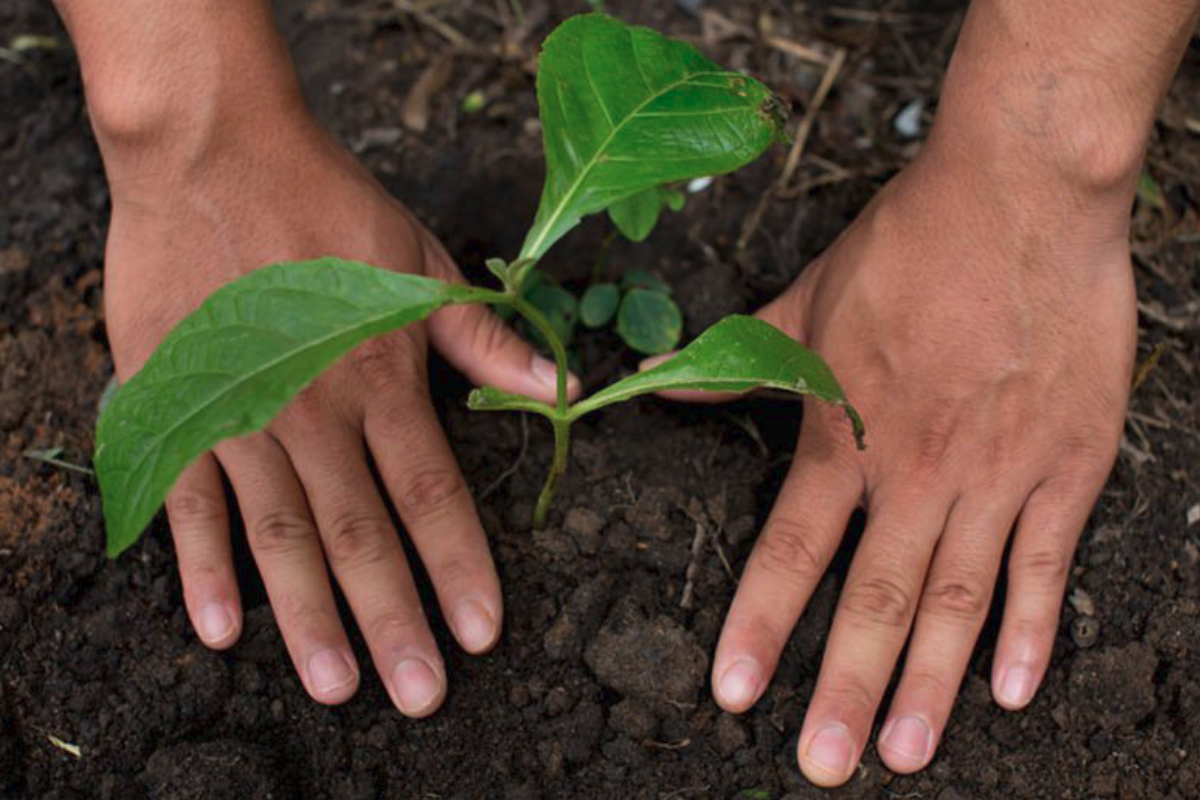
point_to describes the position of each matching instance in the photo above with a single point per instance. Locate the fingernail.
(214, 623)
(415, 686)
(544, 370)
(909, 740)
(1016, 687)
(328, 671)
(741, 683)
(474, 626)
(829, 754)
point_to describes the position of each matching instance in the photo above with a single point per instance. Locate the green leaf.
(674, 199)
(558, 306)
(489, 398)
(649, 322)
(635, 216)
(598, 305)
(637, 279)
(1149, 192)
(737, 354)
(232, 365)
(624, 109)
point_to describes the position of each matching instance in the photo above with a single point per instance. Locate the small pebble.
(908, 122)
(1085, 631)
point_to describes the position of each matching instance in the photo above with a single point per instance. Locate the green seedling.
(625, 111)
(646, 318)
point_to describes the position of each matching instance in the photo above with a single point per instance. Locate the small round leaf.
(637, 279)
(649, 322)
(599, 304)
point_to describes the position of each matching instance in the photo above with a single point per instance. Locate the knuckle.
(960, 597)
(426, 492)
(758, 630)
(195, 509)
(931, 444)
(850, 697)
(196, 573)
(456, 569)
(306, 414)
(404, 421)
(1047, 566)
(490, 337)
(358, 539)
(280, 532)
(394, 628)
(788, 550)
(879, 599)
(385, 361)
(930, 684)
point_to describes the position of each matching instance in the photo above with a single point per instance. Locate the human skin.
(981, 315)
(215, 168)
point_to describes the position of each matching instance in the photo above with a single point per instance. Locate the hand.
(278, 189)
(985, 329)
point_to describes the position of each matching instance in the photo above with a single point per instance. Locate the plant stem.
(523, 307)
(562, 446)
(560, 422)
(602, 258)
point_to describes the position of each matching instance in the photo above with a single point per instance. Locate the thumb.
(782, 312)
(489, 353)
(482, 347)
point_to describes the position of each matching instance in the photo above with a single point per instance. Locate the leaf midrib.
(566, 198)
(246, 377)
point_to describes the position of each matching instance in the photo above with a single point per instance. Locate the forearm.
(1064, 91)
(168, 81)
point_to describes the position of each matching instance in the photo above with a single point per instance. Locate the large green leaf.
(737, 354)
(624, 109)
(228, 368)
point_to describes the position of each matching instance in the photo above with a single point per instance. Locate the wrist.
(1030, 96)
(170, 86)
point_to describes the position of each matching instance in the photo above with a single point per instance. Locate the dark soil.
(599, 687)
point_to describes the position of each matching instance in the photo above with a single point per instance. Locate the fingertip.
(827, 757)
(1013, 686)
(475, 626)
(417, 687)
(331, 676)
(906, 744)
(218, 624)
(739, 685)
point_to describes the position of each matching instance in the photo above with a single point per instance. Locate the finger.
(952, 609)
(364, 551)
(285, 545)
(788, 560)
(783, 312)
(1038, 566)
(482, 347)
(428, 490)
(200, 527)
(869, 629)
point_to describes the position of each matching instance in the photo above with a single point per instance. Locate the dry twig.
(799, 142)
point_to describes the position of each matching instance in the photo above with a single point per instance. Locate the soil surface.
(599, 687)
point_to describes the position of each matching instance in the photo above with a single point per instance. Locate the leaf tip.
(856, 422)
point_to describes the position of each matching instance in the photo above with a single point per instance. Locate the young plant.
(625, 111)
